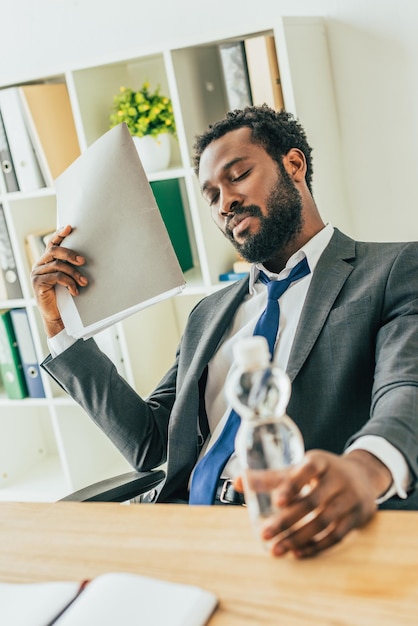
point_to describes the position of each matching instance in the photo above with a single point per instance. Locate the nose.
(229, 203)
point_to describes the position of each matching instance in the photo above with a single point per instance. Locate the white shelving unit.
(49, 447)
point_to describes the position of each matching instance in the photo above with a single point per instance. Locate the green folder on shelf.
(169, 200)
(10, 364)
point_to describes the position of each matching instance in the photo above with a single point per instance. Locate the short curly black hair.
(276, 131)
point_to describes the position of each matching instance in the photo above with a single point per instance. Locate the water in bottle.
(267, 438)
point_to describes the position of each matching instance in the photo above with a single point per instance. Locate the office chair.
(132, 484)
(399, 504)
(118, 488)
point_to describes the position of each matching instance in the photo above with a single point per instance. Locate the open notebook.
(113, 599)
(118, 228)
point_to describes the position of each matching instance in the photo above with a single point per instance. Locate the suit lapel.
(229, 300)
(327, 281)
(198, 353)
(184, 426)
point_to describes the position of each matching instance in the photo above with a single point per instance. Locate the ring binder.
(6, 161)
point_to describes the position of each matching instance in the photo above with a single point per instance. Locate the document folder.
(118, 228)
(10, 364)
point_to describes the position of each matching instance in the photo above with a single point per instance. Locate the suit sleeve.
(137, 427)
(394, 408)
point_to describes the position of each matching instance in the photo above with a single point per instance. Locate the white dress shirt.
(291, 304)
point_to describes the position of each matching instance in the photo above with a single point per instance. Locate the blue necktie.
(209, 469)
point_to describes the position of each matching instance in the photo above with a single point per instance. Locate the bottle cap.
(252, 352)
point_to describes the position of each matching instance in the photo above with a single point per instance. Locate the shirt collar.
(312, 250)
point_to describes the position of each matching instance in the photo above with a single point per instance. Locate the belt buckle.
(227, 483)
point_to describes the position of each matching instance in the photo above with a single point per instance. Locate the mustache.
(252, 210)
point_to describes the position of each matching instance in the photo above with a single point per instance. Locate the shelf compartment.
(96, 86)
(35, 215)
(27, 446)
(86, 453)
(154, 332)
(43, 482)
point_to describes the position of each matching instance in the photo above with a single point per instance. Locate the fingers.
(238, 484)
(56, 272)
(59, 235)
(54, 250)
(314, 541)
(57, 266)
(319, 530)
(317, 503)
(309, 513)
(331, 536)
(307, 522)
(289, 483)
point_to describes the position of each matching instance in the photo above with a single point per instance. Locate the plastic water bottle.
(267, 437)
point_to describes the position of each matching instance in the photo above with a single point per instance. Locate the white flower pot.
(154, 152)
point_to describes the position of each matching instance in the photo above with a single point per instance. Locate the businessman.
(347, 336)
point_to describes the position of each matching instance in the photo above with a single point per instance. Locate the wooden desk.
(371, 578)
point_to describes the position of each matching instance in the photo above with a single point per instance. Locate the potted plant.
(150, 120)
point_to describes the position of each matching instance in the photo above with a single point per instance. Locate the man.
(348, 338)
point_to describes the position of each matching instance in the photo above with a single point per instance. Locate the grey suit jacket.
(353, 365)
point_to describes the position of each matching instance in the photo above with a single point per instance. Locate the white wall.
(374, 50)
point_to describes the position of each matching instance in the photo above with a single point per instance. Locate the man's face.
(253, 201)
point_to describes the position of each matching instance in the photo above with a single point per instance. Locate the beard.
(278, 228)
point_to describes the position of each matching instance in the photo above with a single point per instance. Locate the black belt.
(226, 494)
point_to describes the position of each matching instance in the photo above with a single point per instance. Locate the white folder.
(25, 162)
(118, 228)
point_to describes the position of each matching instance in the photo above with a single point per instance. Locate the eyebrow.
(225, 168)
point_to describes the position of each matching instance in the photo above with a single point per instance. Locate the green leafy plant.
(145, 112)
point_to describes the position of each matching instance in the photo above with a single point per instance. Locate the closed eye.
(236, 179)
(212, 199)
(210, 193)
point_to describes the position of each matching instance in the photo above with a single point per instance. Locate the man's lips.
(239, 223)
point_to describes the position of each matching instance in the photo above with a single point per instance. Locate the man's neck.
(277, 263)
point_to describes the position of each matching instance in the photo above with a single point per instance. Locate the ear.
(295, 164)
